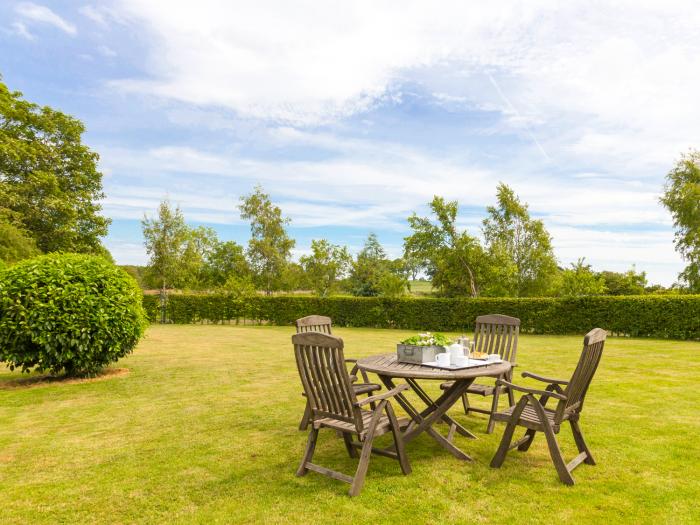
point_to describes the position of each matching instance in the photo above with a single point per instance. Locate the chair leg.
(347, 438)
(398, 441)
(554, 450)
(309, 453)
(306, 418)
(580, 442)
(361, 471)
(529, 438)
(511, 397)
(465, 403)
(500, 455)
(494, 409)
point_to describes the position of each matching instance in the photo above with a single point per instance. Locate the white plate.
(472, 363)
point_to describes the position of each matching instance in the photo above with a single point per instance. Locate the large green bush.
(674, 317)
(68, 312)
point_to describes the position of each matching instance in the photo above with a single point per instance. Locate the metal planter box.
(417, 354)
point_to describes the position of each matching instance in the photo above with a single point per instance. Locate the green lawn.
(202, 429)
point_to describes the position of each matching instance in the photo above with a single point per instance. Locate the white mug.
(443, 359)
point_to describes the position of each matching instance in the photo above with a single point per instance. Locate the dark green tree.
(138, 273)
(682, 198)
(373, 273)
(368, 268)
(225, 260)
(627, 283)
(48, 177)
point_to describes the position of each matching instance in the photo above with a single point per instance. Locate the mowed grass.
(203, 429)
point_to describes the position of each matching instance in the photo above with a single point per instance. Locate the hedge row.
(673, 317)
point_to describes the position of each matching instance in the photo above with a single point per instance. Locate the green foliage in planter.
(673, 317)
(68, 312)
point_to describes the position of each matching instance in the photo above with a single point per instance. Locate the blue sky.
(353, 115)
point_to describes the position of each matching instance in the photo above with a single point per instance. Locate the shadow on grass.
(37, 380)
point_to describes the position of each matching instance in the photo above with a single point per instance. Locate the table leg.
(424, 422)
(423, 395)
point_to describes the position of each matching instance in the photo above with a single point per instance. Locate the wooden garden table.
(387, 367)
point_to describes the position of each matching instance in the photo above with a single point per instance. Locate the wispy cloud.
(106, 51)
(20, 29)
(42, 14)
(94, 13)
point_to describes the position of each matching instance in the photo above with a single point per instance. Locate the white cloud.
(306, 63)
(106, 51)
(94, 13)
(20, 29)
(42, 14)
(285, 61)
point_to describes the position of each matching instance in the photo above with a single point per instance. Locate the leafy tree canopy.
(325, 266)
(580, 280)
(523, 259)
(49, 178)
(166, 238)
(15, 244)
(270, 246)
(627, 283)
(224, 260)
(454, 260)
(682, 198)
(374, 274)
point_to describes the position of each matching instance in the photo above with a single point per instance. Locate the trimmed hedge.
(672, 317)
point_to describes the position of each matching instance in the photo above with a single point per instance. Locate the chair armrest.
(385, 395)
(545, 379)
(556, 395)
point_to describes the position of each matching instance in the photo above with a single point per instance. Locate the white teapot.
(456, 351)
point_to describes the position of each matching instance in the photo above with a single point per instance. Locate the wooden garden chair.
(533, 414)
(322, 325)
(334, 404)
(493, 334)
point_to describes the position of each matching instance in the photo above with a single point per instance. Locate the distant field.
(421, 287)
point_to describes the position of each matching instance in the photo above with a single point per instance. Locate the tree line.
(51, 188)
(514, 259)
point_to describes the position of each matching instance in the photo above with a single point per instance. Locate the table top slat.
(387, 364)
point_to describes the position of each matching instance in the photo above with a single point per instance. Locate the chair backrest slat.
(576, 390)
(497, 334)
(321, 364)
(314, 323)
